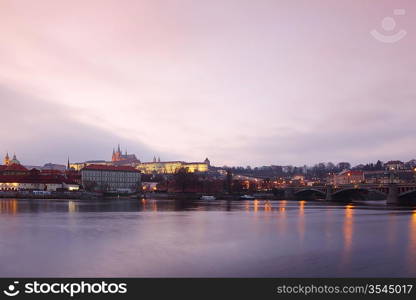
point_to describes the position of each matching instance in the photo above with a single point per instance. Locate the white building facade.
(110, 178)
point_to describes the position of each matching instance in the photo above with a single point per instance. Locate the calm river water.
(161, 238)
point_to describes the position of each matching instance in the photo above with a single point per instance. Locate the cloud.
(251, 83)
(41, 131)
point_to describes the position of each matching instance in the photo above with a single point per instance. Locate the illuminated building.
(117, 159)
(120, 158)
(154, 167)
(7, 161)
(394, 165)
(347, 177)
(16, 178)
(78, 166)
(170, 167)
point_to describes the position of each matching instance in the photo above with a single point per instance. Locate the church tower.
(117, 155)
(14, 161)
(6, 160)
(113, 157)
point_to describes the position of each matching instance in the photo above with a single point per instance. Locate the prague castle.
(155, 167)
(170, 167)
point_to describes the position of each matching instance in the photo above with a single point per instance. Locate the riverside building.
(110, 178)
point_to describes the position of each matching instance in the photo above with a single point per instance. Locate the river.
(166, 238)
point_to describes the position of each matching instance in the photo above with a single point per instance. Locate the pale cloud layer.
(242, 82)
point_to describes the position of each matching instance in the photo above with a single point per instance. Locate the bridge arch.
(350, 194)
(309, 194)
(408, 195)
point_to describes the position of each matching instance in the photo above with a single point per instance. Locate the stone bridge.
(393, 193)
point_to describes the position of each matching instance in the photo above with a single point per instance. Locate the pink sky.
(240, 82)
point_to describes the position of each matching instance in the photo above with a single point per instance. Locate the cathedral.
(119, 158)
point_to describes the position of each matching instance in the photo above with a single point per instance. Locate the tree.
(228, 181)
(184, 179)
(237, 186)
(344, 166)
(379, 165)
(330, 166)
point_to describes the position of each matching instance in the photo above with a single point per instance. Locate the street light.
(392, 175)
(414, 174)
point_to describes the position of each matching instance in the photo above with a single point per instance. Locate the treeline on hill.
(317, 171)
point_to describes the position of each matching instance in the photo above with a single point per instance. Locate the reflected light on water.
(267, 206)
(412, 242)
(247, 205)
(302, 208)
(9, 206)
(256, 205)
(348, 227)
(282, 218)
(72, 207)
(282, 206)
(348, 230)
(154, 205)
(301, 222)
(144, 202)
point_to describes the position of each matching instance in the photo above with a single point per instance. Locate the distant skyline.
(240, 82)
(11, 155)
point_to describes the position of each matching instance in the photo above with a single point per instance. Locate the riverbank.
(52, 195)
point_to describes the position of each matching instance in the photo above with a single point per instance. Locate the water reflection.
(8, 206)
(411, 253)
(72, 207)
(256, 205)
(148, 237)
(144, 202)
(301, 221)
(282, 206)
(267, 206)
(348, 229)
(247, 205)
(154, 205)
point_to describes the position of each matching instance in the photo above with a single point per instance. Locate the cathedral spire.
(6, 160)
(67, 165)
(118, 149)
